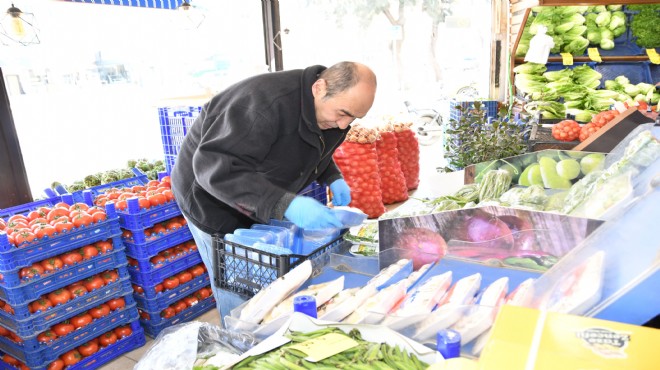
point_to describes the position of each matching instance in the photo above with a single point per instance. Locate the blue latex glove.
(341, 193)
(309, 213)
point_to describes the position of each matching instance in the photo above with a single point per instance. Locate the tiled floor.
(431, 184)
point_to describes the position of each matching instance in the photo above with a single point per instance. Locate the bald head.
(344, 75)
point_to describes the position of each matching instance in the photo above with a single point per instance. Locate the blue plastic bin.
(175, 123)
(156, 323)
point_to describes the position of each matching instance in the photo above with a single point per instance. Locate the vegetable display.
(366, 355)
(150, 168)
(645, 26)
(392, 181)
(357, 159)
(604, 24)
(565, 24)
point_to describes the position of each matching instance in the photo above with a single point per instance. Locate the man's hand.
(308, 213)
(341, 193)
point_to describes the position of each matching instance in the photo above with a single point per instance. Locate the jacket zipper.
(316, 170)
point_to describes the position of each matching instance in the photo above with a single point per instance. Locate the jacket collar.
(309, 76)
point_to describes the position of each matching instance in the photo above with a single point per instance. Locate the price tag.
(594, 54)
(567, 59)
(325, 346)
(653, 56)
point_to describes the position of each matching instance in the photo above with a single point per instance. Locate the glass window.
(84, 100)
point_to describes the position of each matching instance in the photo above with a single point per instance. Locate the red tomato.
(3, 332)
(80, 206)
(158, 288)
(52, 264)
(157, 260)
(171, 282)
(109, 277)
(42, 230)
(121, 205)
(59, 296)
(116, 303)
(36, 214)
(77, 291)
(30, 272)
(63, 328)
(153, 183)
(144, 203)
(169, 195)
(100, 311)
(71, 358)
(71, 258)
(184, 277)
(41, 304)
(81, 320)
(47, 336)
(126, 234)
(88, 252)
(167, 313)
(82, 219)
(99, 217)
(144, 315)
(196, 270)
(138, 289)
(103, 246)
(93, 283)
(56, 365)
(18, 218)
(156, 199)
(179, 306)
(191, 301)
(63, 225)
(24, 237)
(158, 229)
(57, 213)
(108, 339)
(201, 294)
(88, 349)
(10, 360)
(123, 331)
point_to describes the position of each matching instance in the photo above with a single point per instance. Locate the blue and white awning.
(156, 4)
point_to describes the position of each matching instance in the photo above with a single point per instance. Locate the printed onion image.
(422, 245)
(523, 233)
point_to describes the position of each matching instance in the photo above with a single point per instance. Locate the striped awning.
(156, 4)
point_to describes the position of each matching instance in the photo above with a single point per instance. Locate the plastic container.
(159, 301)
(104, 355)
(449, 343)
(25, 324)
(156, 323)
(282, 234)
(139, 247)
(305, 304)
(148, 275)
(636, 72)
(263, 236)
(246, 270)
(316, 191)
(19, 292)
(350, 216)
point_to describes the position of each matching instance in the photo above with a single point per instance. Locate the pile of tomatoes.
(66, 294)
(70, 258)
(182, 304)
(49, 222)
(76, 355)
(158, 230)
(168, 255)
(174, 281)
(152, 194)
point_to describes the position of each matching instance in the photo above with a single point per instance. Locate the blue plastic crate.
(489, 106)
(35, 352)
(24, 209)
(166, 298)
(148, 249)
(88, 195)
(654, 69)
(104, 355)
(17, 292)
(636, 72)
(316, 191)
(25, 324)
(136, 219)
(150, 290)
(12, 257)
(148, 275)
(174, 125)
(246, 270)
(156, 324)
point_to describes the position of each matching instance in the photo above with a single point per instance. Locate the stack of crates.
(66, 298)
(174, 125)
(161, 254)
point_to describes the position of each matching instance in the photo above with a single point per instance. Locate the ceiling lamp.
(193, 18)
(18, 27)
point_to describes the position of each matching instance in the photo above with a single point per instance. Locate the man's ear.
(319, 88)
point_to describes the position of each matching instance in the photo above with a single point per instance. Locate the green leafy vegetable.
(646, 28)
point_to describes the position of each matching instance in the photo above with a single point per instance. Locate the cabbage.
(591, 18)
(639, 97)
(654, 98)
(574, 104)
(614, 7)
(557, 75)
(631, 89)
(576, 19)
(622, 80)
(585, 75)
(600, 8)
(577, 46)
(603, 19)
(564, 27)
(606, 34)
(644, 88)
(576, 31)
(619, 31)
(530, 68)
(594, 36)
(607, 44)
(618, 20)
(613, 85)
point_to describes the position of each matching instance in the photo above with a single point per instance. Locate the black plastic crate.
(246, 270)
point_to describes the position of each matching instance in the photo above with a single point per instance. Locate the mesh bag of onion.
(408, 148)
(392, 181)
(357, 159)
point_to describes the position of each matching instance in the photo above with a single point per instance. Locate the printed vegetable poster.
(498, 236)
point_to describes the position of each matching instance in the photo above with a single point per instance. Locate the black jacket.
(252, 148)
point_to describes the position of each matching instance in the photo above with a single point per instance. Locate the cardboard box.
(524, 338)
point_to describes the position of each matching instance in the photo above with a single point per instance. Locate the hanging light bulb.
(18, 27)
